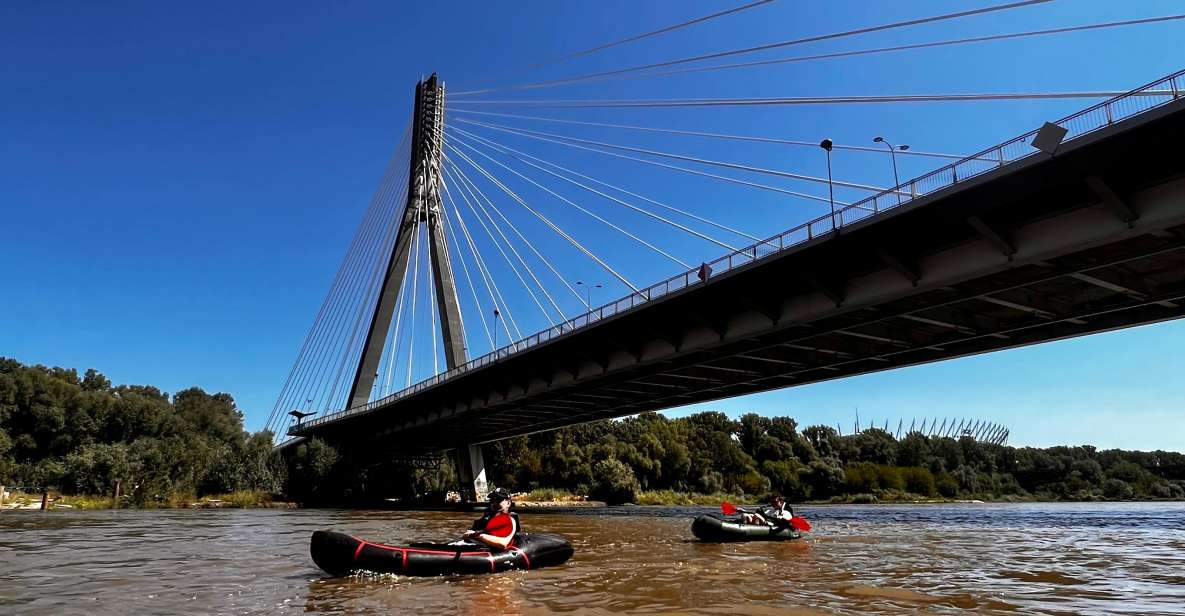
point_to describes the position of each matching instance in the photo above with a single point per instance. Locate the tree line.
(83, 435)
(755, 455)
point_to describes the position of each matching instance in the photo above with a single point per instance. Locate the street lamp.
(588, 287)
(826, 145)
(299, 415)
(893, 154)
(496, 316)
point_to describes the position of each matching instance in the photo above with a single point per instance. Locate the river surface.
(888, 559)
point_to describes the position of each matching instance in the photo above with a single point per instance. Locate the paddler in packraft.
(498, 527)
(775, 514)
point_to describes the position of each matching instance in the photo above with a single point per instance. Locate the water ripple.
(939, 559)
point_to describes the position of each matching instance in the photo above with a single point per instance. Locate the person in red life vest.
(498, 527)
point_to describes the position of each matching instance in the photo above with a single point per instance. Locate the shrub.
(753, 483)
(1117, 489)
(889, 478)
(614, 482)
(860, 477)
(919, 481)
(711, 482)
(946, 485)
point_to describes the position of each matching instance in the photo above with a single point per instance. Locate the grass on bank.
(26, 500)
(673, 498)
(550, 495)
(646, 497)
(233, 500)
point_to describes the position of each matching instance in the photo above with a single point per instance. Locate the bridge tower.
(423, 207)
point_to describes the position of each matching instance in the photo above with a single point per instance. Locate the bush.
(663, 497)
(550, 495)
(95, 468)
(1117, 489)
(860, 477)
(753, 483)
(614, 482)
(824, 478)
(711, 482)
(919, 481)
(783, 479)
(946, 485)
(889, 478)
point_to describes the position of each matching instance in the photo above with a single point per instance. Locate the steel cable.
(474, 189)
(778, 45)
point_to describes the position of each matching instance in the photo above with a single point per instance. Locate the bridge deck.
(1044, 248)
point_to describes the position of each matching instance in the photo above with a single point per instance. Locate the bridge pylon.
(423, 207)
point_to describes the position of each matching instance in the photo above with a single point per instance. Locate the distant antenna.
(857, 420)
(899, 423)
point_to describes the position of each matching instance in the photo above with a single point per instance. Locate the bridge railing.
(1102, 115)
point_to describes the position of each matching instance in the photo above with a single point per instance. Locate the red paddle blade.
(800, 523)
(727, 509)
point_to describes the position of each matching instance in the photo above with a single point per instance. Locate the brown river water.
(888, 559)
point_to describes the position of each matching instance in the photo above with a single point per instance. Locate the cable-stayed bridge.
(1074, 228)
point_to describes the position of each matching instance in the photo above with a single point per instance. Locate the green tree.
(914, 450)
(825, 478)
(94, 381)
(614, 482)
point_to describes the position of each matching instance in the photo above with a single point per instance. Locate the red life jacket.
(500, 525)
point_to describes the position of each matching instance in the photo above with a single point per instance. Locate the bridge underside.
(1090, 240)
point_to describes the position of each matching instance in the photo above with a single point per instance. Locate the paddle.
(798, 522)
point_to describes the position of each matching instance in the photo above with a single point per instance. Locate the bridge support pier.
(471, 469)
(471, 473)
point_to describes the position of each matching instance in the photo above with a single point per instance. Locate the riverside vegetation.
(83, 435)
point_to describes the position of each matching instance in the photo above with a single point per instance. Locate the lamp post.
(893, 155)
(588, 287)
(826, 145)
(496, 316)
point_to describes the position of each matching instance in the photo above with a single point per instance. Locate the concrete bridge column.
(471, 473)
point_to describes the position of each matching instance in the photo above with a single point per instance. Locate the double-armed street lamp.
(588, 287)
(893, 154)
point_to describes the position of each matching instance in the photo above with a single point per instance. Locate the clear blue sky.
(178, 184)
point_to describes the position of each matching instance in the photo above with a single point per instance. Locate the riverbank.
(233, 500)
(549, 498)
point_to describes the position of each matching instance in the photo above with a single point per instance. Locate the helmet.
(499, 495)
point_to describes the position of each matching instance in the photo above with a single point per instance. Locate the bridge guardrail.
(1102, 115)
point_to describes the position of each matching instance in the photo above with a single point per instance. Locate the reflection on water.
(1054, 559)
